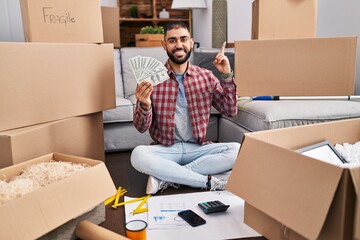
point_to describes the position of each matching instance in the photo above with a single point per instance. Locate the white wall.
(108, 3)
(11, 29)
(340, 18)
(202, 25)
(239, 22)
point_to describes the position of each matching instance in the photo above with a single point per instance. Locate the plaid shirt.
(202, 89)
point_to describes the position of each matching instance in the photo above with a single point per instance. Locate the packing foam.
(351, 153)
(37, 176)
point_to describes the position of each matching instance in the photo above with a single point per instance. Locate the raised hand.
(221, 62)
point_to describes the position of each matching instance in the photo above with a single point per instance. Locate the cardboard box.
(296, 67)
(62, 21)
(111, 27)
(45, 209)
(42, 82)
(67, 230)
(81, 136)
(279, 19)
(291, 196)
(149, 40)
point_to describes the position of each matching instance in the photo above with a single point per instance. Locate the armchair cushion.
(122, 113)
(119, 85)
(264, 115)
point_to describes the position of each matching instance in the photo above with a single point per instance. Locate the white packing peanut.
(351, 153)
(37, 176)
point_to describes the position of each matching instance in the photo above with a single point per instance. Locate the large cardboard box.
(296, 67)
(111, 27)
(47, 208)
(292, 196)
(62, 21)
(81, 136)
(42, 82)
(278, 19)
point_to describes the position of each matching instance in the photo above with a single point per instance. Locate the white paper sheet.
(163, 212)
(223, 225)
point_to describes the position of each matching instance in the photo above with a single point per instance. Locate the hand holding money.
(148, 69)
(142, 94)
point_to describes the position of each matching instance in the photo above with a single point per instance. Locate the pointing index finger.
(222, 49)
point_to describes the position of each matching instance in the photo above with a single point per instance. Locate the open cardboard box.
(292, 196)
(62, 21)
(43, 82)
(296, 67)
(45, 209)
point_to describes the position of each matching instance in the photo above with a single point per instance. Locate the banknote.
(148, 69)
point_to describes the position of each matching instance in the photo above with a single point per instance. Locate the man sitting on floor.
(176, 112)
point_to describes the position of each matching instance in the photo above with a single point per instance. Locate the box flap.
(355, 174)
(342, 131)
(296, 67)
(302, 208)
(21, 221)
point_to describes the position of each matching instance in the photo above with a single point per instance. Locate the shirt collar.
(189, 71)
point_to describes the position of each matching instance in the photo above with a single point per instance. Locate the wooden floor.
(124, 175)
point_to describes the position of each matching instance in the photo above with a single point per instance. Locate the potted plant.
(150, 36)
(134, 11)
(152, 30)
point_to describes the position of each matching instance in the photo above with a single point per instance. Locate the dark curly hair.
(175, 24)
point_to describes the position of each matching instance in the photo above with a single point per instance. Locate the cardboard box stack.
(53, 90)
(43, 82)
(288, 195)
(47, 81)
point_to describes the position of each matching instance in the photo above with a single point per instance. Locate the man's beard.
(176, 60)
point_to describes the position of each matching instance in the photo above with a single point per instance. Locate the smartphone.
(192, 218)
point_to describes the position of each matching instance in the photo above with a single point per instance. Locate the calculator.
(213, 207)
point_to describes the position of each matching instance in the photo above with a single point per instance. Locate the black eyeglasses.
(174, 40)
